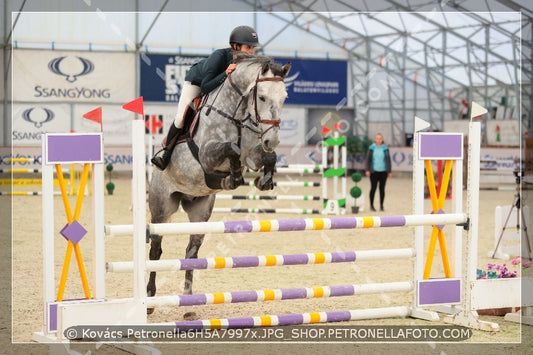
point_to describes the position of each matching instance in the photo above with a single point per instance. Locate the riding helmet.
(244, 35)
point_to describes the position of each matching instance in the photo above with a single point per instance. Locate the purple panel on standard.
(52, 316)
(441, 146)
(245, 261)
(237, 226)
(73, 148)
(291, 224)
(343, 223)
(443, 291)
(392, 221)
(73, 232)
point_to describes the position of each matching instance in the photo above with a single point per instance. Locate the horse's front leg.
(269, 165)
(155, 254)
(214, 154)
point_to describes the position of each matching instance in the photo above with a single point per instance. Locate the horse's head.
(266, 94)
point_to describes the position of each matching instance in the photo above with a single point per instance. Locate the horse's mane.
(266, 62)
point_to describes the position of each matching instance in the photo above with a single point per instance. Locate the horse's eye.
(262, 98)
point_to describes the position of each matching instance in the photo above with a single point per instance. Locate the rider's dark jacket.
(209, 73)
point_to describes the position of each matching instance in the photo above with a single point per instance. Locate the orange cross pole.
(70, 219)
(437, 204)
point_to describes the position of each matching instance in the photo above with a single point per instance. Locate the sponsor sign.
(316, 82)
(32, 120)
(68, 76)
(292, 128)
(162, 76)
(310, 82)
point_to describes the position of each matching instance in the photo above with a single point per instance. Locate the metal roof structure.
(406, 57)
(452, 50)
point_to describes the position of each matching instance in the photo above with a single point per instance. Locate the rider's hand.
(230, 68)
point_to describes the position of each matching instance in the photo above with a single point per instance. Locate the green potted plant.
(110, 186)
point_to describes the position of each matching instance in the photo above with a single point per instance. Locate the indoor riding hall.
(438, 261)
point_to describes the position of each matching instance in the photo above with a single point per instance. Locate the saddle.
(190, 121)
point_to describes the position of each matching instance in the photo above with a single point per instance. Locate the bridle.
(257, 120)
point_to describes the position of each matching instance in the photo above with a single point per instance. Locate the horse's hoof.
(190, 316)
(150, 310)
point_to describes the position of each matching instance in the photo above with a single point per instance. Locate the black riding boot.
(162, 161)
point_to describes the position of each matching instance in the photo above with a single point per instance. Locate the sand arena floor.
(27, 262)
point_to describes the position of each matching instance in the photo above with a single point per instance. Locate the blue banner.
(316, 82)
(310, 82)
(162, 76)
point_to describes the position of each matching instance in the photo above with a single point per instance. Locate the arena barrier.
(31, 181)
(458, 288)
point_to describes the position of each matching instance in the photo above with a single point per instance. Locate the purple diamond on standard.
(73, 232)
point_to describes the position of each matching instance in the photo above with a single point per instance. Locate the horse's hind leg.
(161, 210)
(198, 210)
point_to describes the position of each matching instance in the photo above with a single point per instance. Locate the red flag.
(96, 116)
(325, 130)
(338, 125)
(135, 106)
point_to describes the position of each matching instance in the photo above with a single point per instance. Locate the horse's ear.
(265, 68)
(285, 69)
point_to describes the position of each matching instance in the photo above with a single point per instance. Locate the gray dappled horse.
(238, 127)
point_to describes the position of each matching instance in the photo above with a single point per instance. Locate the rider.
(203, 77)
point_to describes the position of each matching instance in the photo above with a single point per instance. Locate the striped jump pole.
(290, 183)
(278, 294)
(21, 160)
(268, 197)
(286, 225)
(291, 319)
(296, 170)
(25, 193)
(266, 210)
(262, 260)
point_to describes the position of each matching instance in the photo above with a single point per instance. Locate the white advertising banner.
(292, 128)
(116, 123)
(68, 76)
(31, 120)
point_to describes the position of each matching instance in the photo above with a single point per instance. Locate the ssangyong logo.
(38, 117)
(55, 66)
(71, 68)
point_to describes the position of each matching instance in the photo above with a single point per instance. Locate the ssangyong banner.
(69, 76)
(310, 82)
(32, 120)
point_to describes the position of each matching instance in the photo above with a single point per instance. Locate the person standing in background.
(378, 168)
